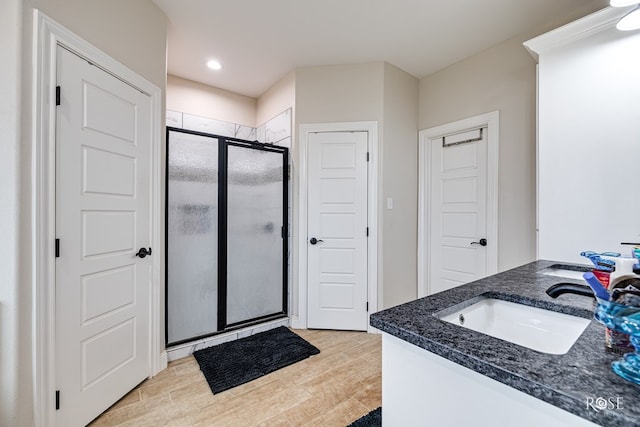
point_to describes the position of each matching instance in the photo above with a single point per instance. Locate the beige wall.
(331, 94)
(502, 78)
(399, 182)
(15, 364)
(383, 93)
(339, 93)
(199, 99)
(361, 92)
(278, 98)
(133, 33)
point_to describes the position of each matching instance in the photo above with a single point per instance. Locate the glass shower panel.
(255, 203)
(192, 234)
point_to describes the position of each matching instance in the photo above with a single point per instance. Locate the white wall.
(399, 182)
(589, 140)
(199, 99)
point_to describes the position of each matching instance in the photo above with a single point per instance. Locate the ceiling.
(259, 41)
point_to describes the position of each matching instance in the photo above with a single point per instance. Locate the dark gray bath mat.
(233, 363)
(372, 419)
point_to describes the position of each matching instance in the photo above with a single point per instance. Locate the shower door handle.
(143, 252)
(313, 240)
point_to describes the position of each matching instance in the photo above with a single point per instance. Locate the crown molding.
(576, 30)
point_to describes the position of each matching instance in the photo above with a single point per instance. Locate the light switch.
(389, 203)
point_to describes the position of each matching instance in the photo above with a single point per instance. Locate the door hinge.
(282, 232)
(57, 248)
(288, 171)
(367, 156)
(367, 231)
(367, 306)
(57, 95)
(57, 399)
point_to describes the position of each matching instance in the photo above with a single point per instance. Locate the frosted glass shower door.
(256, 195)
(192, 236)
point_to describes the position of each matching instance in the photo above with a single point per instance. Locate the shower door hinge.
(57, 248)
(367, 156)
(57, 95)
(282, 232)
(57, 399)
(288, 171)
(367, 231)
(367, 306)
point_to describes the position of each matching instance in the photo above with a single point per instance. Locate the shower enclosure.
(226, 228)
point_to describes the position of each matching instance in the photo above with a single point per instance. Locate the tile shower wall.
(276, 131)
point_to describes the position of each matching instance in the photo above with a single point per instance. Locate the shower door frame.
(223, 143)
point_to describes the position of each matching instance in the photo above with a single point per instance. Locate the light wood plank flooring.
(333, 388)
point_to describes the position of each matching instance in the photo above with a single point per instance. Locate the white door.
(337, 230)
(458, 204)
(103, 143)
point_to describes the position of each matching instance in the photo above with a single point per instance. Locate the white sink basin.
(566, 271)
(542, 330)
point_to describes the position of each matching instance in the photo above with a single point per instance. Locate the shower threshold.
(186, 349)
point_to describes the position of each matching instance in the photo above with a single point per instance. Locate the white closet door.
(103, 145)
(458, 185)
(337, 230)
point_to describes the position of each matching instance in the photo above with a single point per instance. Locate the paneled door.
(103, 279)
(458, 194)
(337, 230)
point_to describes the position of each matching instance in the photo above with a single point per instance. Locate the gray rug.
(233, 363)
(372, 419)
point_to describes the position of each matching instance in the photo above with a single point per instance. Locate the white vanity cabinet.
(420, 388)
(588, 137)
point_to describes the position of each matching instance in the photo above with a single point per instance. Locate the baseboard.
(163, 362)
(297, 323)
(372, 330)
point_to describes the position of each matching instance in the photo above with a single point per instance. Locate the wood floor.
(333, 388)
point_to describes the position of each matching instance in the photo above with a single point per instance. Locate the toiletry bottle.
(623, 277)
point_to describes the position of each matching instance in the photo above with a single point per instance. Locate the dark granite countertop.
(568, 381)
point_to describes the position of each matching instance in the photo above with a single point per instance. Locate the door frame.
(371, 127)
(48, 34)
(492, 122)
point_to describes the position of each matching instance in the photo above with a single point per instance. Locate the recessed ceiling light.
(623, 3)
(214, 65)
(631, 21)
